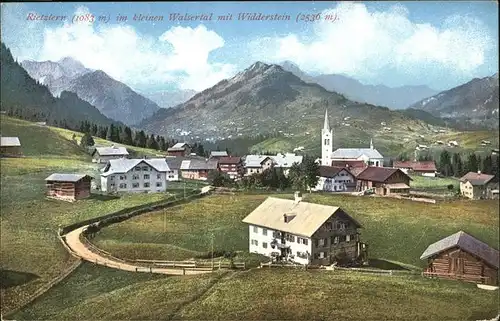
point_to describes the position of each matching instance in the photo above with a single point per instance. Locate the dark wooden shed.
(462, 257)
(68, 187)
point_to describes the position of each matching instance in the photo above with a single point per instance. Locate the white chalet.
(304, 233)
(370, 156)
(335, 179)
(104, 154)
(135, 175)
(255, 164)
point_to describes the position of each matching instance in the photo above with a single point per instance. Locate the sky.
(437, 44)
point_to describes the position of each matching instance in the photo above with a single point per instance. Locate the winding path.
(75, 245)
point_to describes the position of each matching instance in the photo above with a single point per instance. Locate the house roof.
(476, 178)
(416, 166)
(255, 160)
(178, 147)
(198, 164)
(353, 153)
(9, 141)
(218, 154)
(331, 171)
(123, 165)
(230, 160)
(378, 174)
(56, 177)
(350, 163)
(467, 243)
(309, 216)
(110, 151)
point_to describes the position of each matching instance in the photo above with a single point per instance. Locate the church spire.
(371, 143)
(326, 126)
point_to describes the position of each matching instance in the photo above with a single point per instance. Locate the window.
(264, 231)
(335, 240)
(255, 242)
(305, 241)
(158, 184)
(111, 178)
(342, 238)
(264, 245)
(137, 168)
(146, 184)
(146, 176)
(158, 176)
(135, 176)
(276, 235)
(123, 177)
(255, 229)
(321, 255)
(290, 238)
(135, 185)
(347, 238)
(321, 242)
(145, 168)
(112, 185)
(123, 185)
(171, 176)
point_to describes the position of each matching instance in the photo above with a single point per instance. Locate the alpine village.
(269, 195)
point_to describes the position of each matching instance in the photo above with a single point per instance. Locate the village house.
(256, 164)
(383, 180)
(462, 257)
(10, 147)
(232, 166)
(104, 154)
(369, 155)
(198, 168)
(423, 168)
(218, 154)
(68, 187)
(174, 165)
(335, 179)
(135, 175)
(478, 186)
(179, 149)
(304, 233)
(354, 167)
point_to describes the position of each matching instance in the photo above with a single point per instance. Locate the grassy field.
(30, 251)
(434, 184)
(98, 293)
(396, 230)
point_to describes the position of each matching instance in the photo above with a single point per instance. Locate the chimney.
(298, 196)
(284, 218)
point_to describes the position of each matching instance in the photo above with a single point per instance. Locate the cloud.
(363, 43)
(179, 55)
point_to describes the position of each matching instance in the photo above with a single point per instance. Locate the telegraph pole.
(212, 251)
(164, 221)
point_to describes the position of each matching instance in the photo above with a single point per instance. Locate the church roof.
(353, 153)
(326, 126)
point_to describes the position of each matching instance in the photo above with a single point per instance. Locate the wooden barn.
(68, 187)
(10, 147)
(383, 180)
(462, 257)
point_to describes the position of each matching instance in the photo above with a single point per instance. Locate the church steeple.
(371, 143)
(326, 126)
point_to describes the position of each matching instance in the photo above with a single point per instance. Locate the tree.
(200, 151)
(217, 178)
(311, 171)
(488, 165)
(472, 163)
(126, 136)
(151, 142)
(87, 140)
(457, 165)
(445, 163)
(140, 139)
(109, 133)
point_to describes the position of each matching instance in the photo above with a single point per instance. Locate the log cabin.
(462, 257)
(305, 233)
(179, 149)
(383, 180)
(68, 187)
(10, 147)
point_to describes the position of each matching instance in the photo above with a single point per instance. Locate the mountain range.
(394, 98)
(265, 99)
(113, 98)
(475, 102)
(26, 97)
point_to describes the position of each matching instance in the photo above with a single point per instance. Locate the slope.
(475, 101)
(25, 97)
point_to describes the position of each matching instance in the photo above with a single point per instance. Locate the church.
(370, 156)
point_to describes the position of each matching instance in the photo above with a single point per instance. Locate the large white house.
(370, 156)
(302, 232)
(135, 175)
